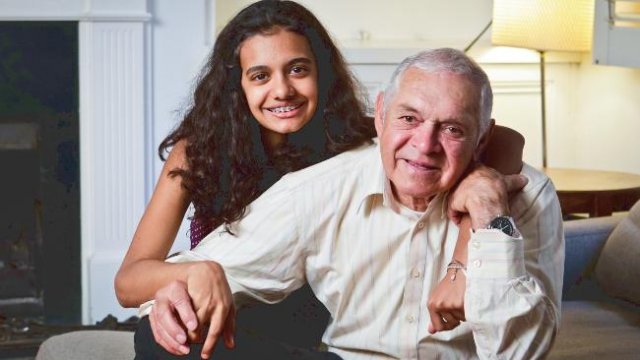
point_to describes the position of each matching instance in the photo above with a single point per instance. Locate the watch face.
(503, 224)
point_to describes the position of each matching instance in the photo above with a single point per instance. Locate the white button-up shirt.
(373, 263)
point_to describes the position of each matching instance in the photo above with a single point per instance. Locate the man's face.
(429, 134)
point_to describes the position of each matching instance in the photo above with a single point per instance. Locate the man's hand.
(203, 300)
(446, 303)
(170, 301)
(483, 194)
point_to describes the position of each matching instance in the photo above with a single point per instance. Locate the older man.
(368, 231)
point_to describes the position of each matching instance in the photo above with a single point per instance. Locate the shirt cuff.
(145, 308)
(495, 255)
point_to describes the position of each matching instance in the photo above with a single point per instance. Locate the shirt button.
(415, 273)
(410, 319)
(477, 263)
(476, 244)
(420, 225)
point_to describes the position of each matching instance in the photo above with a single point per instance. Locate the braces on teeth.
(283, 109)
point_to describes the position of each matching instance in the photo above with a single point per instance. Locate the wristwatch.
(505, 224)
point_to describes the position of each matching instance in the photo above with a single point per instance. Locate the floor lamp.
(543, 25)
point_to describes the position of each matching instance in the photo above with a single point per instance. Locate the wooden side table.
(598, 193)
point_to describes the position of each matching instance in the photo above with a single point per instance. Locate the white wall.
(389, 21)
(607, 124)
(178, 38)
(182, 35)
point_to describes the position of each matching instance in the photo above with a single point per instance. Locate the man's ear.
(484, 141)
(379, 120)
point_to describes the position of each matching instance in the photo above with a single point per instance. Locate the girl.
(274, 97)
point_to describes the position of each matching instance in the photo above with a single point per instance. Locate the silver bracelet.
(456, 266)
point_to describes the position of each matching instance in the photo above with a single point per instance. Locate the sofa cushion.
(584, 240)
(617, 270)
(593, 330)
(88, 344)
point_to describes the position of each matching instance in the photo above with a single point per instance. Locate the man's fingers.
(163, 338)
(152, 324)
(186, 313)
(167, 321)
(215, 329)
(229, 330)
(515, 182)
(200, 333)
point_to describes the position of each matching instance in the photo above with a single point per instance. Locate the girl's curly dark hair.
(227, 166)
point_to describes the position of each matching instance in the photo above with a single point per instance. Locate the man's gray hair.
(450, 61)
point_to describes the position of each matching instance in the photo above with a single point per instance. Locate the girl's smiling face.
(280, 82)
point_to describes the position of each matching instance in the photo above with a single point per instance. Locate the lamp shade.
(560, 25)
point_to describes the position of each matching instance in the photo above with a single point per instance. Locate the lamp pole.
(544, 110)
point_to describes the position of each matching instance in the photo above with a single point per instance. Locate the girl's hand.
(211, 297)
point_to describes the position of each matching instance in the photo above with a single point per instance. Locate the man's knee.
(247, 346)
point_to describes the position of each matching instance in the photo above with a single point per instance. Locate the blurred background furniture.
(601, 298)
(598, 193)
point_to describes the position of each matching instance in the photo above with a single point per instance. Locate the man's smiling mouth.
(421, 166)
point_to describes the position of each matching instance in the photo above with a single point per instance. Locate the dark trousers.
(248, 346)
(287, 330)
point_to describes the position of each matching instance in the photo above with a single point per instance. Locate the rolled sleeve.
(495, 255)
(260, 255)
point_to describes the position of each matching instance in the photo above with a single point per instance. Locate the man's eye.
(408, 119)
(453, 130)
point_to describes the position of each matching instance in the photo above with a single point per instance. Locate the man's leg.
(247, 347)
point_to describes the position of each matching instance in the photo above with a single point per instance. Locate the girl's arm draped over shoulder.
(143, 270)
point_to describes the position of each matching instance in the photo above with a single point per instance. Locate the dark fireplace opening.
(40, 267)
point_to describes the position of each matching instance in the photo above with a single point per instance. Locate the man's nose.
(283, 88)
(426, 139)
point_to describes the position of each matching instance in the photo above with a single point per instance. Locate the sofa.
(601, 292)
(600, 307)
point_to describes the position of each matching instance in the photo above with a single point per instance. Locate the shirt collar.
(376, 184)
(373, 178)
